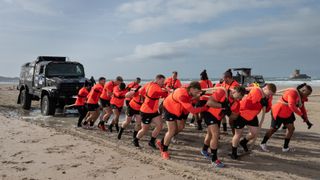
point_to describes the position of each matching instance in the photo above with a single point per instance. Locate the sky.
(147, 37)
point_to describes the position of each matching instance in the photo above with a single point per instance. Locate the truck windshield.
(65, 70)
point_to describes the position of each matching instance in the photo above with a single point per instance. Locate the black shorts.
(116, 107)
(184, 116)
(104, 103)
(209, 119)
(240, 122)
(92, 107)
(131, 112)
(276, 123)
(146, 118)
(201, 103)
(169, 116)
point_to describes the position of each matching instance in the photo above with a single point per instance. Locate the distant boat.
(297, 76)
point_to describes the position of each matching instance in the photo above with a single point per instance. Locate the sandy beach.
(37, 147)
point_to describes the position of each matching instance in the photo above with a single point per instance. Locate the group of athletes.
(167, 99)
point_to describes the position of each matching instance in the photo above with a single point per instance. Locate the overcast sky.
(146, 37)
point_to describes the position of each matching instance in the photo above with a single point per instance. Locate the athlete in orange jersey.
(176, 107)
(221, 104)
(92, 102)
(117, 102)
(292, 101)
(228, 83)
(204, 83)
(133, 110)
(172, 82)
(105, 100)
(250, 107)
(80, 102)
(133, 85)
(150, 109)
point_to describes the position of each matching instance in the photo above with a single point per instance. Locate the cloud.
(300, 30)
(150, 14)
(141, 7)
(43, 7)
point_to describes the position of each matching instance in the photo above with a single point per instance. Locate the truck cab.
(52, 80)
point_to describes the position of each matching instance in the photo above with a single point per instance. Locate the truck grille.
(69, 89)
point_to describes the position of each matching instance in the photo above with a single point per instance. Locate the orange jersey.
(107, 90)
(250, 105)
(118, 97)
(232, 85)
(289, 103)
(136, 101)
(82, 96)
(235, 105)
(93, 96)
(204, 85)
(219, 96)
(180, 102)
(172, 83)
(130, 86)
(152, 93)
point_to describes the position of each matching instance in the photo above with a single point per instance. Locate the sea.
(278, 81)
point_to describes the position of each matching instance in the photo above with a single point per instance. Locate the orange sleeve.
(219, 95)
(109, 87)
(143, 91)
(235, 107)
(167, 82)
(82, 93)
(292, 103)
(269, 104)
(178, 84)
(186, 104)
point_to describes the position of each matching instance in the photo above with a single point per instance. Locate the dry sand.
(36, 147)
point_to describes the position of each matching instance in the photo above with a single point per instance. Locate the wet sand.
(37, 147)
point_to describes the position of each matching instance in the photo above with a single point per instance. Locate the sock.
(214, 155)
(152, 140)
(165, 148)
(85, 123)
(245, 141)
(135, 134)
(224, 126)
(162, 141)
(91, 123)
(234, 150)
(265, 139)
(286, 143)
(101, 123)
(205, 147)
(121, 130)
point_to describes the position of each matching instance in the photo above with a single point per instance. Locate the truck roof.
(44, 60)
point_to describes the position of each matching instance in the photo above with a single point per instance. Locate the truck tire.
(25, 99)
(47, 106)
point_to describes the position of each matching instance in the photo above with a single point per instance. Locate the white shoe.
(288, 149)
(264, 147)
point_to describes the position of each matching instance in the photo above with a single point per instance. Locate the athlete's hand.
(264, 102)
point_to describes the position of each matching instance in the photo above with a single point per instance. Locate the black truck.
(55, 81)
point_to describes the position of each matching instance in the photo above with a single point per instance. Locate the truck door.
(39, 78)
